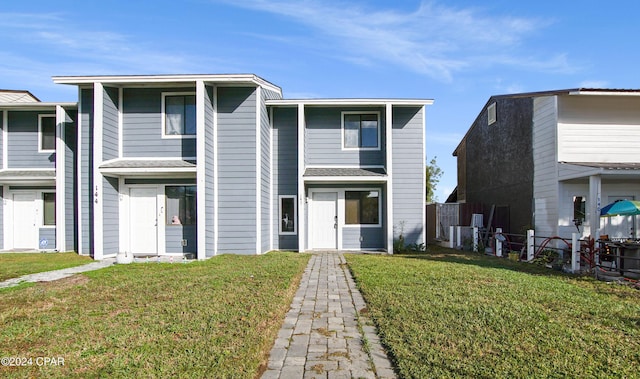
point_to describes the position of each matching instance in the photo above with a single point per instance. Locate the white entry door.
(25, 231)
(324, 220)
(143, 220)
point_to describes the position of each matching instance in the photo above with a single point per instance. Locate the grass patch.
(453, 314)
(216, 318)
(13, 265)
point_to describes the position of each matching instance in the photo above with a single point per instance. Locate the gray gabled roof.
(342, 171)
(17, 96)
(149, 163)
(570, 91)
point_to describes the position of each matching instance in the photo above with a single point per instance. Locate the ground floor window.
(579, 209)
(181, 205)
(362, 207)
(288, 214)
(49, 208)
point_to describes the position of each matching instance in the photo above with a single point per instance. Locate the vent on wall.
(491, 113)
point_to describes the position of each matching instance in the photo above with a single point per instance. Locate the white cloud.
(69, 48)
(434, 40)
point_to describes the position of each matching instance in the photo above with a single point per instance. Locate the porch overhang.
(148, 167)
(345, 175)
(27, 176)
(568, 171)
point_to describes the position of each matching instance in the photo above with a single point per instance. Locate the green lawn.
(13, 265)
(216, 318)
(452, 314)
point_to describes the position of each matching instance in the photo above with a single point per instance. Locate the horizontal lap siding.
(323, 139)
(23, 141)
(598, 129)
(237, 154)
(110, 215)
(174, 234)
(408, 171)
(86, 168)
(372, 238)
(110, 124)
(142, 126)
(285, 169)
(48, 235)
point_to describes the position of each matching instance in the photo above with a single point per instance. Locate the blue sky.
(458, 53)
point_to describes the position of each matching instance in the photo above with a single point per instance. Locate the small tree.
(433, 174)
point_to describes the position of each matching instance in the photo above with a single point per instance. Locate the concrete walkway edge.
(49, 276)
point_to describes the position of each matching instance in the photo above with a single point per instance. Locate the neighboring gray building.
(212, 164)
(37, 172)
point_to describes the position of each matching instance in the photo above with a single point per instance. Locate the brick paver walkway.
(323, 334)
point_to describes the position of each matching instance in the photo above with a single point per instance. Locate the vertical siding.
(23, 141)
(86, 169)
(48, 234)
(285, 169)
(110, 124)
(110, 216)
(70, 189)
(237, 170)
(142, 126)
(209, 172)
(408, 172)
(545, 184)
(323, 139)
(265, 172)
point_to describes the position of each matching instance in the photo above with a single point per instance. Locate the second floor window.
(179, 115)
(47, 129)
(361, 130)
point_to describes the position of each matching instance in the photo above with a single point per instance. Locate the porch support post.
(389, 167)
(595, 194)
(498, 237)
(531, 242)
(452, 233)
(575, 253)
(302, 199)
(201, 159)
(96, 191)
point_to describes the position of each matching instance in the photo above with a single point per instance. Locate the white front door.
(324, 220)
(25, 231)
(143, 220)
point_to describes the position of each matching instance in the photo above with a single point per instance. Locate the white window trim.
(295, 213)
(344, 210)
(342, 131)
(40, 117)
(40, 200)
(164, 186)
(492, 116)
(164, 118)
